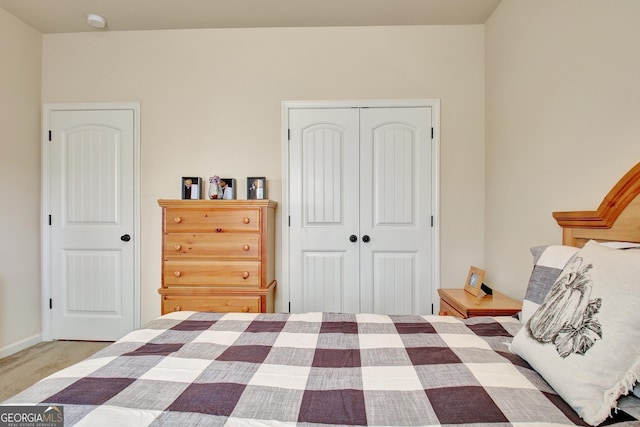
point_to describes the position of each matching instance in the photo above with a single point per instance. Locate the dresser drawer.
(218, 303)
(448, 310)
(212, 220)
(212, 273)
(184, 245)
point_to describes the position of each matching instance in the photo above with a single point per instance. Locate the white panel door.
(360, 210)
(324, 186)
(92, 221)
(395, 210)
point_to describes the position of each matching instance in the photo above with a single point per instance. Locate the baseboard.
(20, 345)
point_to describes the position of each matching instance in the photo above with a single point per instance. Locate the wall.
(562, 102)
(562, 109)
(211, 99)
(20, 50)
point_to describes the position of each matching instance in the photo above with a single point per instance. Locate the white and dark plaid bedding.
(309, 369)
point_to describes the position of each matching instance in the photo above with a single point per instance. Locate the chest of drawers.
(218, 255)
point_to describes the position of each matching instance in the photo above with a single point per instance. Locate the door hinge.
(431, 133)
(50, 303)
(432, 220)
(289, 306)
(432, 309)
(289, 220)
(49, 136)
(288, 134)
(49, 219)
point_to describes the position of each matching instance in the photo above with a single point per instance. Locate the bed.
(319, 369)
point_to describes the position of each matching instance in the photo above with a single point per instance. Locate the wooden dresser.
(218, 255)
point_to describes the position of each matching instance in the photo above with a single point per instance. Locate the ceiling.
(69, 16)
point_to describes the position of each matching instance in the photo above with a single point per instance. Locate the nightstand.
(460, 303)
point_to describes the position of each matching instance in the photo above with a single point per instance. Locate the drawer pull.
(177, 273)
(177, 247)
(177, 308)
(246, 220)
(218, 230)
(177, 220)
(245, 248)
(244, 309)
(245, 275)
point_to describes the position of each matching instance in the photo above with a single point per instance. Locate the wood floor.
(29, 366)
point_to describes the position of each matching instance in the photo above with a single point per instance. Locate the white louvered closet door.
(360, 209)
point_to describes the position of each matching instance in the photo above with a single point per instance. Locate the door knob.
(366, 238)
(353, 238)
(125, 237)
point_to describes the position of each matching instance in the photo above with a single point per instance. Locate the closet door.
(395, 210)
(360, 209)
(324, 191)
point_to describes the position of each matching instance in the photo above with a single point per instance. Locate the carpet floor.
(22, 369)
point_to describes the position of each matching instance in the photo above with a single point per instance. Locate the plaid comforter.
(311, 369)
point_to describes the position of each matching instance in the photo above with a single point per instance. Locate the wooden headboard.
(617, 217)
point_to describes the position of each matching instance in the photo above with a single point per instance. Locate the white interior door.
(91, 207)
(395, 210)
(360, 209)
(324, 187)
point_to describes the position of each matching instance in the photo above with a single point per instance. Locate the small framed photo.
(474, 281)
(191, 188)
(228, 188)
(256, 188)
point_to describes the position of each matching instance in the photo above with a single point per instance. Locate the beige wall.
(20, 56)
(562, 120)
(562, 106)
(211, 99)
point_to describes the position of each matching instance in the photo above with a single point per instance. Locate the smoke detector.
(96, 21)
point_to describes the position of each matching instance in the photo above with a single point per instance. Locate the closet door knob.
(353, 238)
(366, 238)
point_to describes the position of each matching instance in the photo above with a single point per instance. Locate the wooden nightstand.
(459, 303)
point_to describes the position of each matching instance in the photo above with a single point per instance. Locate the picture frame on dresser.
(474, 280)
(191, 188)
(228, 188)
(256, 188)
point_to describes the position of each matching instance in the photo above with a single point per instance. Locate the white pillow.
(621, 245)
(584, 339)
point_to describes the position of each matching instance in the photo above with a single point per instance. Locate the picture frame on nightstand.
(474, 281)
